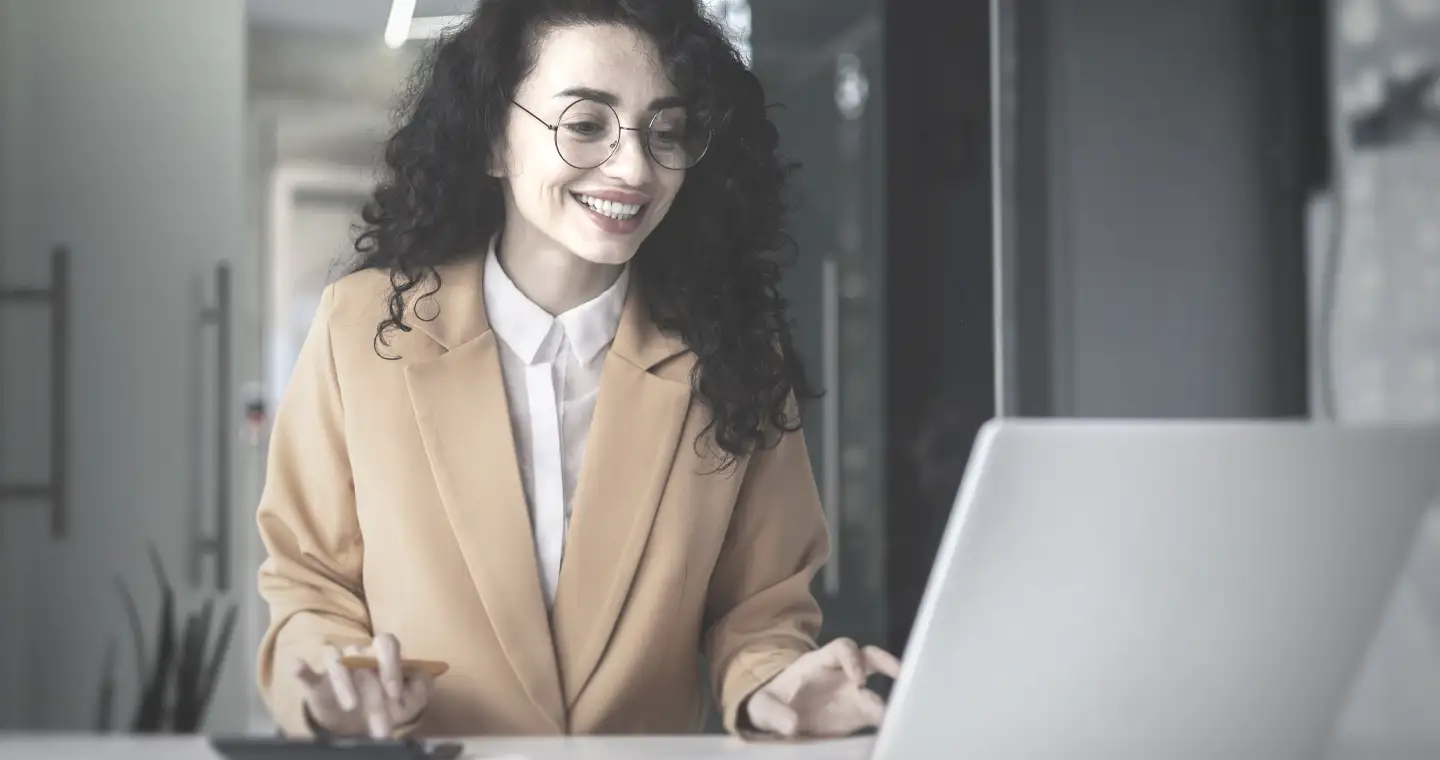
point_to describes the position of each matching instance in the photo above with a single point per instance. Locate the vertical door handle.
(830, 442)
(57, 298)
(217, 545)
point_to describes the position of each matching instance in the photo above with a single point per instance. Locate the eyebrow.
(609, 98)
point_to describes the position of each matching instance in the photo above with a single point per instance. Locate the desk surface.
(61, 747)
(43, 747)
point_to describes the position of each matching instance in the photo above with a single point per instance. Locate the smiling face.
(584, 77)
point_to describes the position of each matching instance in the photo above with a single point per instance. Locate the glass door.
(820, 62)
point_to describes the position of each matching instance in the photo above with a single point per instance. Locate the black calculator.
(280, 748)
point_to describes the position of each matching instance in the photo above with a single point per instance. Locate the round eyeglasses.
(588, 134)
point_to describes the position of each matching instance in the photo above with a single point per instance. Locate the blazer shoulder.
(358, 298)
(353, 307)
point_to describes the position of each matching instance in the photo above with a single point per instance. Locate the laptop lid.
(1152, 589)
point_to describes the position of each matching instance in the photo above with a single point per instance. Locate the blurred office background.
(1132, 208)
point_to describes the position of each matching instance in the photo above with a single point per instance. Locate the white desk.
(41, 747)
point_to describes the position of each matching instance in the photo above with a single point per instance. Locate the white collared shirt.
(551, 367)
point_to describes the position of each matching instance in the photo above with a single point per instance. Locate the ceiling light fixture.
(397, 28)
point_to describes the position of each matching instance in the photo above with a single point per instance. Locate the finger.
(416, 694)
(878, 660)
(311, 678)
(786, 684)
(354, 650)
(340, 681)
(871, 708)
(770, 715)
(377, 709)
(850, 660)
(387, 653)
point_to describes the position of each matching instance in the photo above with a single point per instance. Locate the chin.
(612, 254)
(612, 241)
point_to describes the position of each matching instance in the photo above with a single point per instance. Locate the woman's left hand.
(824, 693)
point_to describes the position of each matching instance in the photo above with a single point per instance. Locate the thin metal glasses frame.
(615, 146)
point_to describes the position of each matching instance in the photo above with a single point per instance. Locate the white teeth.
(610, 208)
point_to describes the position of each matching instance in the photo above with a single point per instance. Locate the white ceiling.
(347, 16)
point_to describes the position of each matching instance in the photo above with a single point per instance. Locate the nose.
(631, 162)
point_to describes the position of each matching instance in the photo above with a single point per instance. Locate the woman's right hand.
(356, 702)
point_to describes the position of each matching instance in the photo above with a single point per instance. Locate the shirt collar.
(524, 326)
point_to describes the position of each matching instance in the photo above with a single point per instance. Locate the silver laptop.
(1157, 589)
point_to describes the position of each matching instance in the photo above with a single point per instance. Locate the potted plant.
(179, 675)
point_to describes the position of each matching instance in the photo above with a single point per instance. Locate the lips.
(611, 217)
(612, 208)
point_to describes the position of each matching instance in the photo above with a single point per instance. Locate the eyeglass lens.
(588, 134)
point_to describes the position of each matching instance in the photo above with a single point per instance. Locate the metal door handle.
(830, 405)
(57, 296)
(218, 545)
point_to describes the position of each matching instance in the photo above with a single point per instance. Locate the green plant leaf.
(105, 703)
(151, 716)
(217, 660)
(188, 668)
(137, 630)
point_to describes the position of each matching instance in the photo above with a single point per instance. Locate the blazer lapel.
(638, 419)
(464, 421)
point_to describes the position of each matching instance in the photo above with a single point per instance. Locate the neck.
(552, 277)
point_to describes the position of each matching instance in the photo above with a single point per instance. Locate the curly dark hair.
(709, 271)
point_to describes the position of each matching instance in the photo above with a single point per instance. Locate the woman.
(563, 341)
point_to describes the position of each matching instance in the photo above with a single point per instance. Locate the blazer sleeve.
(764, 614)
(311, 577)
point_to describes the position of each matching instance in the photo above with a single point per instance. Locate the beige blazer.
(394, 504)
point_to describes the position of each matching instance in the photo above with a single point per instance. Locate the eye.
(584, 129)
(667, 136)
(668, 130)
